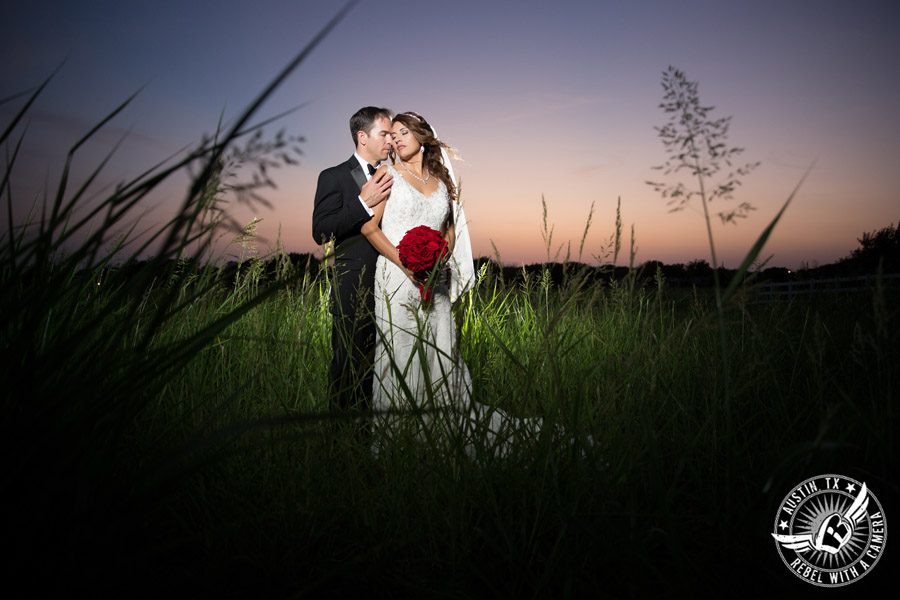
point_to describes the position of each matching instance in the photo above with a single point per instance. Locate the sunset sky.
(558, 99)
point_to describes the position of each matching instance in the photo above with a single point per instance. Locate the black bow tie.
(371, 170)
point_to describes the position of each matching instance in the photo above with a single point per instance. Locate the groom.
(345, 195)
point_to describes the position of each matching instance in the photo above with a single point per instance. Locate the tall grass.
(297, 507)
(95, 335)
(697, 143)
(309, 509)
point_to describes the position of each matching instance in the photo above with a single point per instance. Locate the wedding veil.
(462, 263)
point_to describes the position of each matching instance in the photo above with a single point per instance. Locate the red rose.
(420, 249)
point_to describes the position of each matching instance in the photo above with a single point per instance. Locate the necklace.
(427, 177)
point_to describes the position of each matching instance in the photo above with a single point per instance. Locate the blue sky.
(555, 100)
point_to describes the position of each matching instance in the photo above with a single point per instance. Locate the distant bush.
(878, 247)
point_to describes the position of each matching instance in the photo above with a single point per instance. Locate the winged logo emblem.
(834, 531)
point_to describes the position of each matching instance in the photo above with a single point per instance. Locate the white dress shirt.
(365, 168)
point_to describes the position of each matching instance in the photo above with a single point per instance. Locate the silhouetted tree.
(881, 245)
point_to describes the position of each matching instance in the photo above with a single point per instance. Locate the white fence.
(790, 289)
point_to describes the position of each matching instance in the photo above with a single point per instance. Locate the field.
(204, 455)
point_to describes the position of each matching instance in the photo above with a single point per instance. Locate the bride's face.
(405, 143)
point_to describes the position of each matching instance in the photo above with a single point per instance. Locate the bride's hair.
(432, 160)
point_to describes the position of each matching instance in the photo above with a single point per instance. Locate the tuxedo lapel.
(356, 171)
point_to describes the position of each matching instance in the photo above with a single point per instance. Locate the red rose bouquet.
(420, 250)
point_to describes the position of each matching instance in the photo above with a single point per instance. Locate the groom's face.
(375, 144)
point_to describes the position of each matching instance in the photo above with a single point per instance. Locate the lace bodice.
(407, 207)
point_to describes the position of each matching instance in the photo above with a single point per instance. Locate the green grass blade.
(757, 247)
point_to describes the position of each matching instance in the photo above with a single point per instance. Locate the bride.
(417, 363)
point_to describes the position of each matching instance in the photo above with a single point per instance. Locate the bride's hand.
(412, 276)
(377, 189)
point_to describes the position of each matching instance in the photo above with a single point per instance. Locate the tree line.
(878, 251)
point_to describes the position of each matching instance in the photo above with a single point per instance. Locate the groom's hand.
(377, 189)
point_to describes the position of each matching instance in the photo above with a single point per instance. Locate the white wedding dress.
(421, 381)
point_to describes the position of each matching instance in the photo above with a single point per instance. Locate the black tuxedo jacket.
(338, 212)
